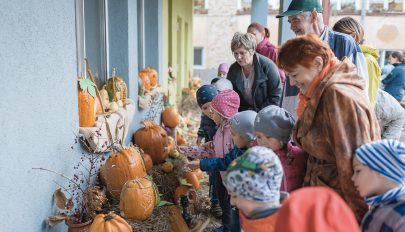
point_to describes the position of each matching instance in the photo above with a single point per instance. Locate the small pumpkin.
(153, 140)
(177, 223)
(153, 77)
(86, 97)
(171, 117)
(148, 162)
(137, 199)
(180, 139)
(120, 167)
(117, 86)
(186, 191)
(109, 223)
(167, 167)
(200, 175)
(145, 81)
(192, 179)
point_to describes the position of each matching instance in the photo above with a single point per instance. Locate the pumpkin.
(200, 175)
(118, 88)
(170, 117)
(148, 162)
(146, 85)
(177, 223)
(153, 140)
(167, 167)
(153, 77)
(137, 199)
(109, 223)
(192, 179)
(86, 97)
(186, 191)
(180, 139)
(120, 167)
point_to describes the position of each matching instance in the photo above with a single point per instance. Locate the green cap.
(299, 6)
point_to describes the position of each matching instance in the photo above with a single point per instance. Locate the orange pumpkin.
(200, 175)
(180, 139)
(186, 191)
(148, 162)
(171, 117)
(109, 223)
(167, 167)
(137, 199)
(87, 117)
(120, 167)
(153, 140)
(146, 85)
(177, 223)
(153, 77)
(192, 179)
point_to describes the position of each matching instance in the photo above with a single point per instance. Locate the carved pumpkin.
(186, 191)
(109, 223)
(120, 167)
(192, 179)
(177, 223)
(86, 97)
(170, 117)
(146, 85)
(153, 140)
(137, 199)
(148, 162)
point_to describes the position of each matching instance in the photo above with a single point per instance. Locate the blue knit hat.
(386, 157)
(205, 94)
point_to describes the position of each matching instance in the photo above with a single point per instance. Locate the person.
(394, 83)
(223, 70)
(253, 180)
(352, 27)
(243, 136)
(315, 209)
(206, 132)
(254, 77)
(264, 47)
(273, 127)
(223, 84)
(223, 107)
(390, 116)
(379, 176)
(334, 115)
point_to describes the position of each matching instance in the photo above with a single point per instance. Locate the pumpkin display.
(171, 117)
(153, 140)
(86, 97)
(145, 81)
(192, 179)
(177, 223)
(110, 223)
(117, 89)
(148, 162)
(120, 167)
(138, 199)
(167, 167)
(186, 191)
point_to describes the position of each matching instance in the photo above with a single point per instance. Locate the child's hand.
(193, 164)
(199, 140)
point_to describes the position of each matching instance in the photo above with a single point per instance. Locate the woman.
(254, 77)
(334, 115)
(350, 26)
(395, 82)
(264, 47)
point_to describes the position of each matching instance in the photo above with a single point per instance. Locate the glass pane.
(198, 53)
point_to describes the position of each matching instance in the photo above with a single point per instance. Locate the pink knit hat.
(224, 67)
(226, 103)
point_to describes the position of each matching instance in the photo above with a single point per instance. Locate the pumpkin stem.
(108, 218)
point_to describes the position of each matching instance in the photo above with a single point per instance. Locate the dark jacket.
(207, 128)
(395, 82)
(221, 164)
(266, 88)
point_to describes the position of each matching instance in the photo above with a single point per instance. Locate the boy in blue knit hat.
(379, 176)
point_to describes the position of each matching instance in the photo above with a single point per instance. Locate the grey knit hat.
(256, 175)
(243, 123)
(275, 122)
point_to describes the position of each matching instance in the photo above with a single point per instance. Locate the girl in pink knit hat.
(223, 107)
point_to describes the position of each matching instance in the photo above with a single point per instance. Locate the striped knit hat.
(386, 157)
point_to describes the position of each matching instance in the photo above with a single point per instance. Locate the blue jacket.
(207, 128)
(221, 164)
(395, 82)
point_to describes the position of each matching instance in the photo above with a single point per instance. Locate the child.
(379, 176)
(223, 107)
(273, 126)
(223, 84)
(207, 130)
(223, 70)
(253, 180)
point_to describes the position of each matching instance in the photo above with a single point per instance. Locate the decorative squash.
(170, 117)
(192, 179)
(167, 167)
(137, 199)
(172, 144)
(148, 162)
(153, 140)
(110, 223)
(187, 191)
(120, 167)
(200, 175)
(177, 223)
(180, 139)
(146, 85)
(86, 97)
(118, 88)
(153, 77)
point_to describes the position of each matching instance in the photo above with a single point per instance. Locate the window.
(198, 57)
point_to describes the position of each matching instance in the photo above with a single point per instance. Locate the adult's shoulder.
(264, 61)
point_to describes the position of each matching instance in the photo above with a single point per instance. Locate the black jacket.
(266, 88)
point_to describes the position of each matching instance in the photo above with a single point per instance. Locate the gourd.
(192, 179)
(110, 223)
(86, 97)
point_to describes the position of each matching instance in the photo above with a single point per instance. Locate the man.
(305, 16)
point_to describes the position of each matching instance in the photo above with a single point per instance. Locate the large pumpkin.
(120, 167)
(171, 117)
(110, 223)
(117, 86)
(153, 140)
(138, 199)
(86, 97)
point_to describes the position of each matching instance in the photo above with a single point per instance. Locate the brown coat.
(337, 120)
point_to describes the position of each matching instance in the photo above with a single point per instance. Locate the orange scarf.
(304, 98)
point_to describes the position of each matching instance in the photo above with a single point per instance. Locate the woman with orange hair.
(334, 115)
